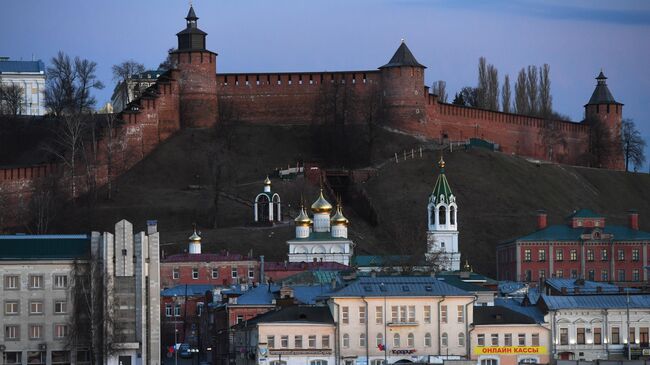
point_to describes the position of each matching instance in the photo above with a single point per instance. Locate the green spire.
(442, 186)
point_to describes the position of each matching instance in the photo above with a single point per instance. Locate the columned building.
(267, 206)
(30, 77)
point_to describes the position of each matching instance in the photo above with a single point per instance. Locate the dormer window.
(579, 222)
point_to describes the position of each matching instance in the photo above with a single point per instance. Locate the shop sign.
(510, 350)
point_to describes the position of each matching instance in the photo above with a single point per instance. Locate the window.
(461, 339)
(240, 318)
(311, 341)
(574, 255)
(411, 318)
(318, 362)
(12, 332)
(35, 307)
(362, 315)
(394, 313)
(527, 255)
(61, 307)
(580, 335)
(379, 314)
(559, 273)
(427, 314)
(635, 275)
(621, 275)
(345, 315)
(590, 255)
(215, 273)
(177, 310)
(535, 339)
(83, 357)
(325, 341)
(362, 340)
(278, 362)
(528, 360)
(521, 339)
(603, 254)
(635, 254)
(176, 274)
(427, 340)
(396, 340)
(284, 342)
(12, 282)
(480, 339)
(60, 331)
(631, 336)
(461, 314)
(168, 310)
(13, 357)
(35, 331)
(489, 362)
(60, 357)
(195, 273)
(507, 339)
(233, 272)
(346, 340)
(495, 339)
(410, 340)
(36, 282)
(621, 255)
(199, 308)
(36, 357)
(559, 255)
(542, 274)
(60, 281)
(297, 342)
(443, 314)
(541, 254)
(574, 273)
(270, 341)
(616, 336)
(643, 334)
(12, 308)
(598, 337)
(604, 275)
(251, 272)
(402, 313)
(528, 275)
(378, 362)
(379, 340)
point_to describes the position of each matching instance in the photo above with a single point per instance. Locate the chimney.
(564, 290)
(152, 226)
(541, 219)
(262, 280)
(633, 218)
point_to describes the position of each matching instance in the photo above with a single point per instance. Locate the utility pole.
(627, 309)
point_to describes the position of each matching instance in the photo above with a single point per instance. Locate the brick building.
(586, 247)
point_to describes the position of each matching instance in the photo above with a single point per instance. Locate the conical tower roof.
(191, 15)
(601, 94)
(339, 218)
(442, 185)
(321, 205)
(403, 57)
(303, 219)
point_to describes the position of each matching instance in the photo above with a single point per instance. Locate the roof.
(585, 213)
(403, 57)
(303, 266)
(377, 260)
(320, 236)
(261, 295)
(191, 15)
(312, 277)
(206, 257)
(44, 247)
(596, 301)
(601, 94)
(583, 286)
(398, 286)
(441, 188)
(22, 66)
(566, 233)
(455, 280)
(190, 290)
(514, 305)
(500, 315)
(296, 314)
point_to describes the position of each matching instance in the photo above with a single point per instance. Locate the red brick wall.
(611, 115)
(205, 273)
(197, 88)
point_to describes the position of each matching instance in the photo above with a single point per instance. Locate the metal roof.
(566, 233)
(585, 213)
(601, 94)
(262, 295)
(43, 247)
(596, 301)
(512, 304)
(455, 280)
(398, 286)
(295, 314)
(491, 315)
(584, 286)
(403, 57)
(191, 290)
(320, 236)
(22, 66)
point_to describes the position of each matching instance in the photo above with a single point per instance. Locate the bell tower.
(442, 232)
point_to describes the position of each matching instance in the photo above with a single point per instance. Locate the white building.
(267, 206)
(30, 76)
(442, 232)
(325, 238)
(126, 92)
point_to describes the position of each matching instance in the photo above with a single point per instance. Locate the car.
(184, 351)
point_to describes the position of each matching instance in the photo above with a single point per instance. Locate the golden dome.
(339, 218)
(303, 219)
(321, 205)
(267, 181)
(195, 237)
(441, 163)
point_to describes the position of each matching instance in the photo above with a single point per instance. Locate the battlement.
(227, 80)
(27, 172)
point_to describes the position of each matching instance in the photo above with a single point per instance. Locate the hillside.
(497, 194)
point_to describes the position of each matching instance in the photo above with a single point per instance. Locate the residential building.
(36, 273)
(278, 271)
(131, 89)
(401, 318)
(295, 335)
(586, 247)
(597, 327)
(442, 232)
(502, 336)
(30, 76)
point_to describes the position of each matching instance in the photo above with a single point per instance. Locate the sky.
(576, 38)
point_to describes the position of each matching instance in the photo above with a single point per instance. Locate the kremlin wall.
(191, 94)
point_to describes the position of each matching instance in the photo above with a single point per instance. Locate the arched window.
(362, 340)
(461, 339)
(452, 215)
(432, 215)
(396, 340)
(442, 215)
(380, 339)
(262, 202)
(346, 340)
(410, 340)
(444, 339)
(427, 340)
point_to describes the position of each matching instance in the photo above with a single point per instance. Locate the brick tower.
(602, 106)
(197, 76)
(402, 80)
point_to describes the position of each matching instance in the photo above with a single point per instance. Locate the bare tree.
(69, 85)
(115, 145)
(468, 96)
(87, 80)
(11, 99)
(440, 88)
(532, 90)
(492, 101)
(373, 117)
(601, 144)
(553, 138)
(633, 145)
(66, 146)
(522, 104)
(169, 62)
(545, 98)
(505, 95)
(42, 206)
(123, 72)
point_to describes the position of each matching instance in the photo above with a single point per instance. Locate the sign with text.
(510, 350)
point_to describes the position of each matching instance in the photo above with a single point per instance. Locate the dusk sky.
(576, 38)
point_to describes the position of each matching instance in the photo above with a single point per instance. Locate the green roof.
(455, 280)
(43, 247)
(442, 187)
(585, 213)
(377, 260)
(320, 236)
(566, 233)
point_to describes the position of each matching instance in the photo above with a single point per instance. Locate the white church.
(442, 232)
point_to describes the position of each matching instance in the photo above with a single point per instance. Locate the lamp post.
(175, 334)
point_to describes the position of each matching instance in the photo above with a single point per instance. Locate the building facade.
(442, 218)
(30, 76)
(131, 89)
(267, 206)
(586, 247)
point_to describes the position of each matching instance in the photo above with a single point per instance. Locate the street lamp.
(176, 348)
